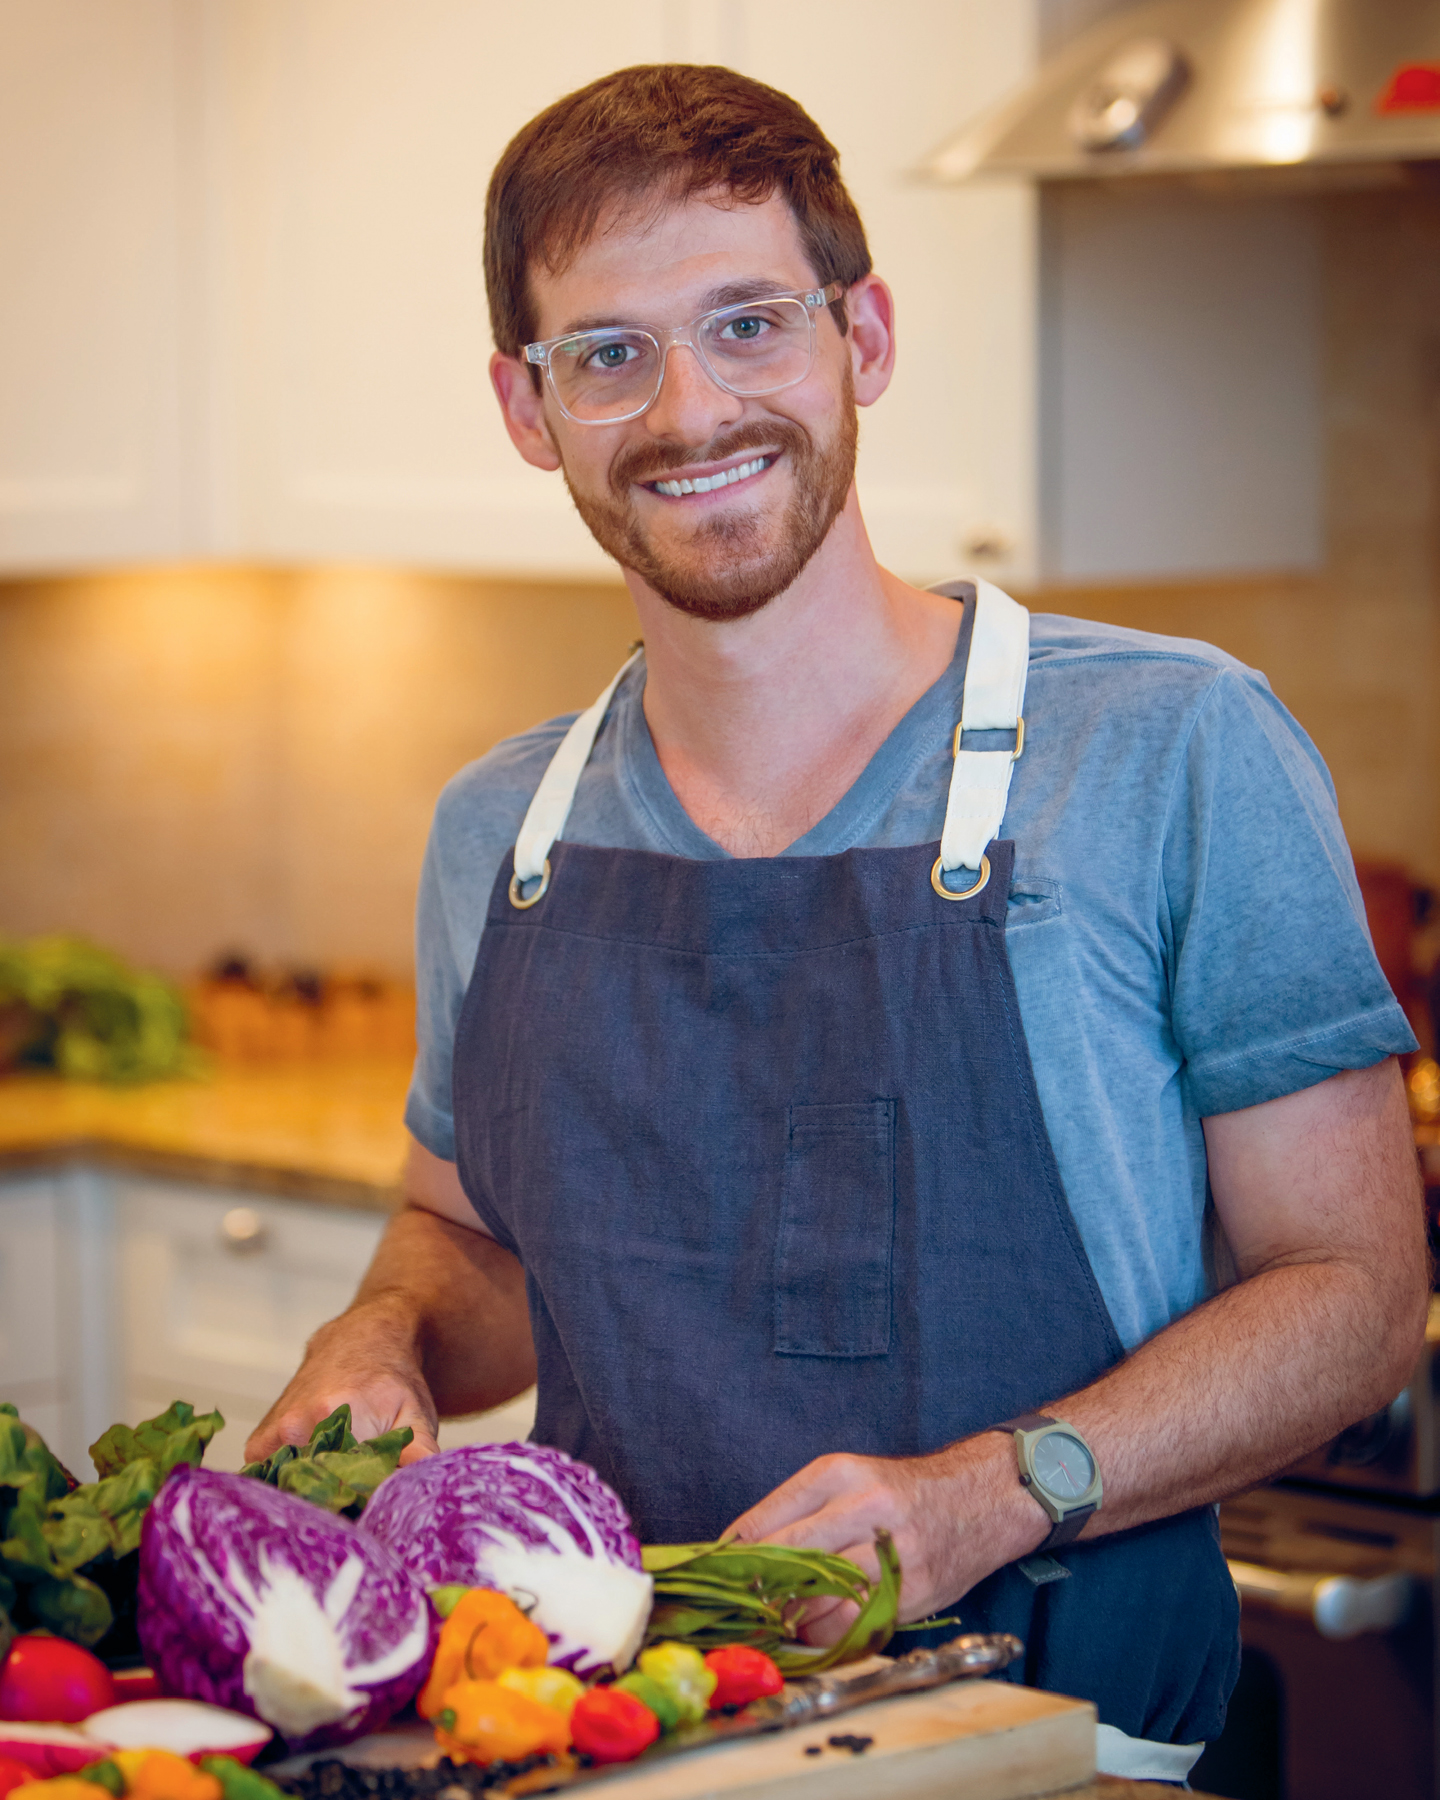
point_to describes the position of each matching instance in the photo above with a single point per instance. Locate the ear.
(524, 411)
(870, 307)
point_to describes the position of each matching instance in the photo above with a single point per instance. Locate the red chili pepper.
(742, 1675)
(612, 1726)
(15, 1774)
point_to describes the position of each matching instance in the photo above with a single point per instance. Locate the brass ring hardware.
(1015, 754)
(518, 900)
(938, 883)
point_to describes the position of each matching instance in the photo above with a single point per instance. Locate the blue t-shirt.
(1184, 924)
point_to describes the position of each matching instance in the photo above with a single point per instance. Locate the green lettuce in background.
(68, 1005)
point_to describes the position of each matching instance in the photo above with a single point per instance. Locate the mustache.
(652, 462)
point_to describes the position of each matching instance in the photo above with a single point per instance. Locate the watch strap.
(1066, 1531)
(1025, 1422)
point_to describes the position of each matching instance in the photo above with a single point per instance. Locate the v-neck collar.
(854, 815)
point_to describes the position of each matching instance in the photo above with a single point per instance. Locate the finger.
(830, 1626)
(423, 1444)
(806, 1493)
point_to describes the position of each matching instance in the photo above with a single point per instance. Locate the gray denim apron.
(766, 1138)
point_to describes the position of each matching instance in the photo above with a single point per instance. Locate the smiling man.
(850, 1049)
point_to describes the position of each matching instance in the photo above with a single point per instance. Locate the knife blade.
(806, 1701)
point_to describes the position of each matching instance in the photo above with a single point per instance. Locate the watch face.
(1062, 1465)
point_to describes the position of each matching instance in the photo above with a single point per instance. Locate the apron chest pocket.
(836, 1231)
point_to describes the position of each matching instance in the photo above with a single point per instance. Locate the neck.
(762, 724)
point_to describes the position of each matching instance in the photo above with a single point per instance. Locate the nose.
(690, 407)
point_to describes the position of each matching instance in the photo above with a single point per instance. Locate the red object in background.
(13, 1774)
(1414, 87)
(45, 1679)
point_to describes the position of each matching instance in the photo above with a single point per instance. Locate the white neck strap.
(979, 786)
(994, 699)
(550, 807)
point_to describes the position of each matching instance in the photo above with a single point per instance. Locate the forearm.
(1245, 1385)
(450, 1303)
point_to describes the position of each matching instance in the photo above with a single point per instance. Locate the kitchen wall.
(195, 759)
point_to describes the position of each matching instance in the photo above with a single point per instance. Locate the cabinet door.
(367, 424)
(219, 1293)
(367, 428)
(32, 1366)
(89, 238)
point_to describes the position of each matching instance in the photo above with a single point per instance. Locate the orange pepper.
(483, 1722)
(485, 1634)
(162, 1775)
(61, 1787)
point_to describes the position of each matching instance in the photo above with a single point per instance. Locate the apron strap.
(979, 784)
(550, 807)
(994, 696)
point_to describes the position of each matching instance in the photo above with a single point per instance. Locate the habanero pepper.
(485, 1634)
(742, 1674)
(611, 1726)
(483, 1722)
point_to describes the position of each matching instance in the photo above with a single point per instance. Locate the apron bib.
(766, 1138)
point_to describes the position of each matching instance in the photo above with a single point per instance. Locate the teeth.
(703, 484)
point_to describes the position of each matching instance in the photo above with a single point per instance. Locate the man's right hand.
(440, 1325)
(359, 1359)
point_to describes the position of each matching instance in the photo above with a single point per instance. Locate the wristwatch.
(1060, 1470)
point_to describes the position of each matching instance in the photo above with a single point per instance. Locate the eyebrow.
(731, 293)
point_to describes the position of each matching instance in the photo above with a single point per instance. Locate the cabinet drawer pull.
(243, 1229)
(1339, 1606)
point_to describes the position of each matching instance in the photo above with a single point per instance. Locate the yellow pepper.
(556, 1688)
(484, 1635)
(680, 1669)
(483, 1722)
(162, 1775)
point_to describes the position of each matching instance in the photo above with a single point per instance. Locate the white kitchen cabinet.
(93, 315)
(121, 1293)
(219, 1293)
(244, 313)
(56, 1345)
(366, 425)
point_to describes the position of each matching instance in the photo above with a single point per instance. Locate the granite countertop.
(325, 1131)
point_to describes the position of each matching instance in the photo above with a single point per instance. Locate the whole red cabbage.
(534, 1523)
(253, 1599)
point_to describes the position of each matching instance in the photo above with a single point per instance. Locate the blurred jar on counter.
(249, 1015)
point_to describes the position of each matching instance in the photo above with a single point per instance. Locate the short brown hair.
(670, 129)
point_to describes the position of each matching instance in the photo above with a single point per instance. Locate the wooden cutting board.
(985, 1740)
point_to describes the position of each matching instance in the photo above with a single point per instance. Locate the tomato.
(45, 1678)
(13, 1774)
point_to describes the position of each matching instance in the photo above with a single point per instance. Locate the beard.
(731, 566)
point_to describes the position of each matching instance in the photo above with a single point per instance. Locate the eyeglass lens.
(757, 348)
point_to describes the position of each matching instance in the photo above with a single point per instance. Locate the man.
(798, 1157)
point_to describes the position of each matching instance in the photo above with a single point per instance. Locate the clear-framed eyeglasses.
(757, 347)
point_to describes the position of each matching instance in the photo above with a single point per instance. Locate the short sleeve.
(439, 991)
(1274, 983)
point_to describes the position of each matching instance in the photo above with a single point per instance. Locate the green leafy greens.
(67, 1548)
(335, 1469)
(68, 1005)
(709, 1595)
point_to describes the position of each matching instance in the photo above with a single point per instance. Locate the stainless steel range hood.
(1345, 90)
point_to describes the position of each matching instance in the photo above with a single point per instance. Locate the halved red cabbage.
(533, 1522)
(252, 1599)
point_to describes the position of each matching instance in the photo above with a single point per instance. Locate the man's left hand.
(956, 1517)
